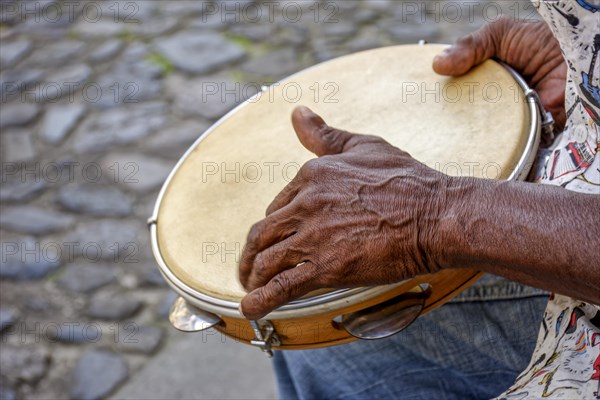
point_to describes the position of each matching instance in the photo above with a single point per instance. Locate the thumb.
(317, 136)
(472, 49)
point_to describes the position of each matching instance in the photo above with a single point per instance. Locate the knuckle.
(261, 297)
(305, 203)
(260, 267)
(310, 168)
(281, 286)
(254, 235)
(274, 206)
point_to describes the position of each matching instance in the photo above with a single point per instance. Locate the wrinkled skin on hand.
(527, 46)
(361, 214)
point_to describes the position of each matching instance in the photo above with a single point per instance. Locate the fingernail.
(441, 55)
(241, 312)
(305, 111)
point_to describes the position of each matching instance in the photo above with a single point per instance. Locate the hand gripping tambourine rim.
(336, 299)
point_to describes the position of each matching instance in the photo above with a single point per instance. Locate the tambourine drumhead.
(475, 125)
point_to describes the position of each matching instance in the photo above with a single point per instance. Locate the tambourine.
(484, 124)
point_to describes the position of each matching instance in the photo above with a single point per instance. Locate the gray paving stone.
(199, 52)
(25, 258)
(18, 113)
(325, 49)
(155, 26)
(59, 121)
(410, 33)
(103, 28)
(38, 304)
(133, 79)
(340, 31)
(369, 39)
(143, 12)
(144, 173)
(364, 15)
(106, 51)
(8, 317)
(119, 126)
(133, 59)
(16, 145)
(74, 333)
(152, 277)
(140, 339)
(210, 97)
(47, 24)
(66, 82)
(186, 8)
(9, 16)
(255, 32)
(175, 140)
(113, 306)
(23, 364)
(290, 35)
(26, 271)
(380, 5)
(20, 190)
(84, 278)
(95, 199)
(343, 8)
(13, 52)
(7, 393)
(34, 220)
(96, 374)
(56, 53)
(210, 22)
(276, 65)
(162, 309)
(107, 239)
(13, 82)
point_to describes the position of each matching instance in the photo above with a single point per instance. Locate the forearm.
(540, 235)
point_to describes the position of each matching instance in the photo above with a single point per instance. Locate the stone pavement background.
(99, 100)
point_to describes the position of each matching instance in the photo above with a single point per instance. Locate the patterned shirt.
(566, 361)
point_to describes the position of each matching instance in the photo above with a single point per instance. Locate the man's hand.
(528, 47)
(362, 214)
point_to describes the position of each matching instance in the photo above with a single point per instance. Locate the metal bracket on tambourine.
(547, 123)
(187, 318)
(547, 119)
(266, 337)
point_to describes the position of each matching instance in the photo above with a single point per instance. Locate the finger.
(320, 138)
(275, 228)
(286, 196)
(276, 259)
(283, 288)
(472, 49)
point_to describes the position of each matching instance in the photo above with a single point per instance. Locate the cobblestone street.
(99, 101)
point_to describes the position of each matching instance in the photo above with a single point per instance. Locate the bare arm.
(540, 235)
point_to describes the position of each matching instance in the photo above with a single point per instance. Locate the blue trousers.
(471, 348)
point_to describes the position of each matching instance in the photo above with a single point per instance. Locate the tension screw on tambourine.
(547, 119)
(265, 336)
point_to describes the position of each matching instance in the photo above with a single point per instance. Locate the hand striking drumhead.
(472, 125)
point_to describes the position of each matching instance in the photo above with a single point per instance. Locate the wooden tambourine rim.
(344, 298)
